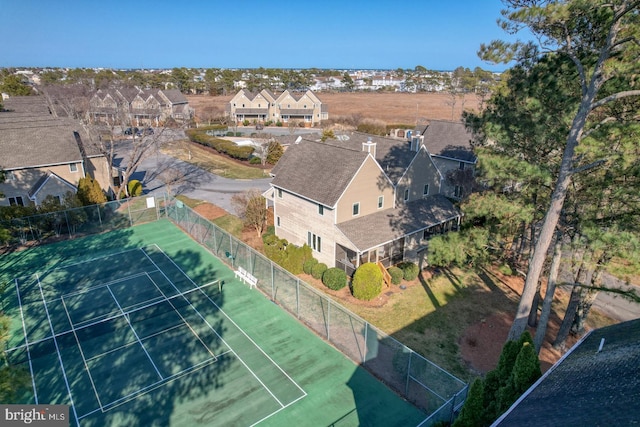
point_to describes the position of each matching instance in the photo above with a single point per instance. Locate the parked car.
(259, 126)
(131, 131)
(148, 131)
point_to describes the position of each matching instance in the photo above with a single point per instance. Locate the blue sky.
(436, 34)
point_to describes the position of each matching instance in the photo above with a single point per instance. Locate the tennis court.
(144, 326)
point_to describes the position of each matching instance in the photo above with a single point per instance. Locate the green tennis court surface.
(143, 326)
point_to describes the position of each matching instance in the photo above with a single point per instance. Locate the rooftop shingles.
(385, 226)
(317, 171)
(588, 387)
(449, 139)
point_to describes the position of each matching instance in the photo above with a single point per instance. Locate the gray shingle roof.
(385, 226)
(449, 139)
(588, 387)
(28, 138)
(393, 155)
(317, 171)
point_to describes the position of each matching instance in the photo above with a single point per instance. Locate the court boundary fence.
(418, 380)
(432, 389)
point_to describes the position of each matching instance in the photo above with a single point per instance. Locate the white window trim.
(380, 202)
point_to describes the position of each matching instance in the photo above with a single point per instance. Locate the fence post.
(99, 216)
(406, 388)
(129, 211)
(273, 282)
(328, 319)
(298, 298)
(66, 219)
(364, 354)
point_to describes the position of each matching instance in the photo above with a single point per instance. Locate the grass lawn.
(211, 162)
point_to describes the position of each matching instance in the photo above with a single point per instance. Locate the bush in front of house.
(396, 275)
(318, 269)
(134, 187)
(334, 278)
(367, 282)
(308, 265)
(410, 270)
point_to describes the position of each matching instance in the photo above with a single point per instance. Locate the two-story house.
(305, 108)
(360, 198)
(43, 155)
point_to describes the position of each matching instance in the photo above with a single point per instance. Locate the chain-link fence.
(409, 374)
(82, 221)
(412, 376)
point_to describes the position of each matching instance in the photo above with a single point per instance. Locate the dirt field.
(392, 108)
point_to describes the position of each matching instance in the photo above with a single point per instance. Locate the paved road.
(194, 182)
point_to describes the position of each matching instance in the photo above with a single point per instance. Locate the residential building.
(265, 106)
(449, 144)
(596, 383)
(360, 198)
(137, 107)
(43, 155)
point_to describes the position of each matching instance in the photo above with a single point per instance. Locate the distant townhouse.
(265, 106)
(360, 198)
(43, 155)
(138, 107)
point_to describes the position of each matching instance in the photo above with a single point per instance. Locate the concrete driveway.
(160, 174)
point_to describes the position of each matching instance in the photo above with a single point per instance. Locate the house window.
(356, 209)
(461, 166)
(425, 234)
(380, 202)
(16, 201)
(314, 241)
(457, 191)
(280, 193)
(73, 167)
(406, 195)
(278, 221)
(425, 191)
(320, 209)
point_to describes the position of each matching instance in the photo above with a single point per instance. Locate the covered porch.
(395, 235)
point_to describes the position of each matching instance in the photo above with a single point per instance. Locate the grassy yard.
(211, 162)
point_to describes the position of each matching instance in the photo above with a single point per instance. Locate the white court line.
(131, 343)
(183, 319)
(61, 267)
(55, 341)
(153, 386)
(82, 355)
(26, 342)
(134, 333)
(102, 285)
(234, 323)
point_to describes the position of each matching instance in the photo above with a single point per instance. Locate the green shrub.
(245, 122)
(334, 278)
(220, 145)
(255, 160)
(367, 282)
(396, 275)
(134, 187)
(506, 270)
(318, 270)
(308, 265)
(410, 270)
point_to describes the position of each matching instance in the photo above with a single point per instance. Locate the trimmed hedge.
(220, 145)
(396, 275)
(318, 270)
(308, 265)
(134, 187)
(288, 256)
(410, 270)
(367, 282)
(334, 278)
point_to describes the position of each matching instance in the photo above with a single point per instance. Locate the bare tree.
(251, 207)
